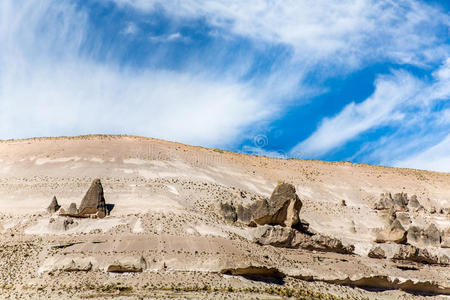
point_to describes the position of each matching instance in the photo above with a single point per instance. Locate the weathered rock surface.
(320, 243)
(72, 264)
(393, 233)
(414, 204)
(283, 207)
(228, 211)
(277, 236)
(54, 206)
(73, 210)
(128, 265)
(376, 252)
(445, 243)
(93, 202)
(412, 253)
(419, 237)
(399, 202)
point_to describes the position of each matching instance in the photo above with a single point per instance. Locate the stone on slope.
(414, 204)
(61, 224)
(54, 206)
(393, 233)
(419, 237)
(128, 265)
(412, 253)
(72, 210)
(445, 243)
(277, 236)
(228, 211)
(376, 252)
(283, 207)
(93, 202)
(72, 264)
(320, 242)
(399, 202)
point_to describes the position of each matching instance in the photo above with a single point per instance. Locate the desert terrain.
(181, 223)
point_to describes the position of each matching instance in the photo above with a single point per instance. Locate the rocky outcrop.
(73, 264)
(277, 236)
(394, 233)
(320, 242)
(376, 252)
(283, 207)
(92, 205)
(445, 243)
(54, 206)
(128, 265)
(286, 237)
(399, 202)
(414, 204)
(419, 237)
(93, 202)
(73, 210)
(412, 253)
(228, 211)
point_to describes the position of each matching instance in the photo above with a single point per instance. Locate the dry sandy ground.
(166, 197)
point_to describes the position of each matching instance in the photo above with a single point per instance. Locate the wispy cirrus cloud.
(404, 103)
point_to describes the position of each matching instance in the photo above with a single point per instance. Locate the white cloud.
(345, 33)
(391, 92)
(436, 158)
(130, 29)
(401, 101)
(49, 85)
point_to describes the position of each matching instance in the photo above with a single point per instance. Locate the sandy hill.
(167, 233)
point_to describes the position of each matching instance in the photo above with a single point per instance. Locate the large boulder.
(445, 242)
(419, 237)
(393, 233)
(73, 210)
(54, 206)
(414, 204)
(228, 211)
(283, 207)
(277, 236)
(128, 265)
(320, 242)
(399, 202)
(93, 202)
(412, 253)
(376, 252)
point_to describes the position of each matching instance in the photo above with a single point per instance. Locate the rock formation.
(412, 253)
(228, 211)
(73, 210)
(376, 252)
(277, 236)
(282, 208)
(419, 237)
(93, 202)
(445, 243)
(393, 233)
(128, 265)
(399, 202)
(54, 206)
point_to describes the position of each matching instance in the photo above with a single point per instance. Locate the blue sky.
(364, 80)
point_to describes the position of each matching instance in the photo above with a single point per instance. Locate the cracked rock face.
(419, 237)
(94, 201)
(377, 252)
(412, 253)
(283, 207)
(54, 206)
(394, 233)
(128, 265)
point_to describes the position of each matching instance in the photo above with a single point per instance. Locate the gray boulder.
(445, 242)
(93, 202)
(277, 236)
(393, 233)
(54, 206)
(283, 207)
(376, 252)
(128, 265)
(419, 237)
(412, 253)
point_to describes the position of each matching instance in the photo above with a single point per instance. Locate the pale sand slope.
(166, 197)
